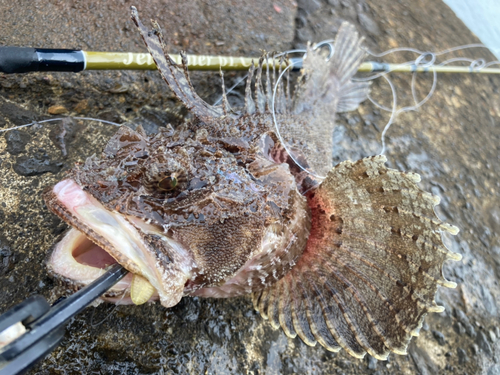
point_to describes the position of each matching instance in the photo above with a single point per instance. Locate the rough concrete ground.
(452, 141)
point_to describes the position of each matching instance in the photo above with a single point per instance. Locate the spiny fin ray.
(175, 76)
(323, 89)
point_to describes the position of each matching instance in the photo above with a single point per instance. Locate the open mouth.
(100, 238)
(78, 259)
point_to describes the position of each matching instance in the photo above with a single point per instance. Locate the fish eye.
(168, 183)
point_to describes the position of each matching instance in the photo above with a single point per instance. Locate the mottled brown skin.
(227, 198)
(351, 260)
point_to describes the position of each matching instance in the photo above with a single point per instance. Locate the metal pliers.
(33, 328)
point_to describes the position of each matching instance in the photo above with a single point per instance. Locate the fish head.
(188, 214)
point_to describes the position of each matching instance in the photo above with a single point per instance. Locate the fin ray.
(315, 318)
(372, 264)
(299, 316)
(249, 103)
(336, 325)
(323, 89)
(176, 77)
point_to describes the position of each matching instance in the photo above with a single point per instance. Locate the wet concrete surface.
(452, 142)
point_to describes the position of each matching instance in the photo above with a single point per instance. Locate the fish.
(248, 202)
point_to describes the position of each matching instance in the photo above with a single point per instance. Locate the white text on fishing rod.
(146, 59)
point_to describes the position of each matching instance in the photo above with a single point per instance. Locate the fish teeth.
(141, 290)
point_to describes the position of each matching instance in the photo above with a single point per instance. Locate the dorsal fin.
(260, 97)
(263, 96)
(279, 99)
(323, 89)
(176, 76)
(268, 85)
(249, 103)
(225, 103)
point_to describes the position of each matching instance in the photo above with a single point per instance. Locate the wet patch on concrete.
(33, 166)
(16, 141)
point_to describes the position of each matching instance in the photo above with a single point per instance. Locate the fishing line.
(93, 325)
(394, 111)
(419, 52)
(496, 62)
(273, 112)
(425, 59)
(60, 119)
(232, 88)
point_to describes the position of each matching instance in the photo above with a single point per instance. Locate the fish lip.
(63, 212)
(118, 293)
(127, 243)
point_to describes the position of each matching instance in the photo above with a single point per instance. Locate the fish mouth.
(100, 238)
(79, 261)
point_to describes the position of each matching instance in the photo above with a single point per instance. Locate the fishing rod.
(25, 59)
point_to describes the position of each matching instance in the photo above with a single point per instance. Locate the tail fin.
(372, 265)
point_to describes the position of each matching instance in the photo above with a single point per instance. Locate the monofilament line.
(60, 119)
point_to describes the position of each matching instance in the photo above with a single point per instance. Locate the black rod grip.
(25, 59)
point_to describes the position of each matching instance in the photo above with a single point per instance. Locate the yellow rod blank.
(371, 67)
(144, 61)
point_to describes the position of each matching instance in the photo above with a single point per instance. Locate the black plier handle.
(44, 325)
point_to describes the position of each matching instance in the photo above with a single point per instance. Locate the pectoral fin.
(372, 264)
